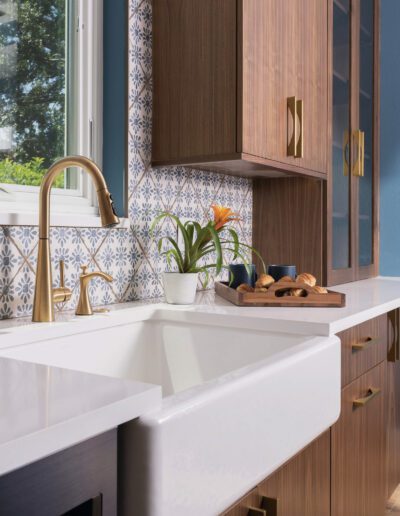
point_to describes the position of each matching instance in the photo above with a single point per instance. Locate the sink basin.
(237, 403)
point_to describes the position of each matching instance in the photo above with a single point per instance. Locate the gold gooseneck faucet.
(45, 296)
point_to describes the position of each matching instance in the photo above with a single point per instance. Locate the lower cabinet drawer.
(363, 347)
(358, 447)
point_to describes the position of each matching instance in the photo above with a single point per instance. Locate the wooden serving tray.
(273, 297)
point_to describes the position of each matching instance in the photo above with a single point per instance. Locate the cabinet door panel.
(359, 449)
(285, 55)
(302, 486)
(194, 75)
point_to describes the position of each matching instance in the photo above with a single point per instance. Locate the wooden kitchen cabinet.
(241, 86)
(358, 447)
(299, 488)
(353, 186)
(393, 398)
(330, 228)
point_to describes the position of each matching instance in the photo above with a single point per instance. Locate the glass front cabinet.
(352, 192)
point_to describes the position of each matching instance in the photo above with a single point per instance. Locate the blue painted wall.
(114, 104)
(390, 139)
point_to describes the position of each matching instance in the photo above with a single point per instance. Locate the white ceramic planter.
(180, 289)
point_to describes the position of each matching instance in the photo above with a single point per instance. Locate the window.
(50, 99)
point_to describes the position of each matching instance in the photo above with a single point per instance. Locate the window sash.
(84, 34)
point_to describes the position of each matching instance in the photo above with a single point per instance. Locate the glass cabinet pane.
(341, 175)
(366, 102)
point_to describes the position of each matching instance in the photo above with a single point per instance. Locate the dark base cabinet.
(79, 481)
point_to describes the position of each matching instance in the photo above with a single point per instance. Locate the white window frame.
(84, 135)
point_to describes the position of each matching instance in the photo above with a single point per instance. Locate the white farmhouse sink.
(237, 403)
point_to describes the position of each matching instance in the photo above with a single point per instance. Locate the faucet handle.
(61, 294)
(84, 269)
(62, 266)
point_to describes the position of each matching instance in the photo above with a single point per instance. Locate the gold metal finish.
(359, 346)
(346, 143)
(361, 402)
(291, 106)
(394, 351)
(359, 142)
(254, 511)
(300, 110)
(295, 145)
(45, 297)
(84, 306)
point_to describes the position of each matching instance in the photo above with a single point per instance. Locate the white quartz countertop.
(364, 300)
(45, 409)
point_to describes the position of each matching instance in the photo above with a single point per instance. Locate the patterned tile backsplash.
(129, 255)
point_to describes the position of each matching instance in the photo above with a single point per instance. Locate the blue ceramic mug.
(238, 275)
(278, 271)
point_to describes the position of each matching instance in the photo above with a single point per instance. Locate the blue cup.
(278, 271)
(238, 275)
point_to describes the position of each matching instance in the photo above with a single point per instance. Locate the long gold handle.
(300, 115)
(62, 273)
(361, 402)
(295, 145)
(359, 138)
(292, 145)
(359, 346)
(346, 142)
(394, 351)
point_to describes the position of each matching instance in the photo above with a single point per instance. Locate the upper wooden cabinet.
(353, 197)
(241, 85)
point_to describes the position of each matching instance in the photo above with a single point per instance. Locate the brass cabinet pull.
(394, 351)
(295, 145)
(359, 346)
(300, 114)
(361, 402)
(359, 137)
(346, 143)
(254, 511)
(270, 505)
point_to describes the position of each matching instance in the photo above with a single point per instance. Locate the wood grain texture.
(285, 52)
(270, 298)
(356, 363)
(223, 70)
(194, 74)
(358, 468)
(64, 480)
(302, 485)
(241, 508)
(393, 401)
(288, 222)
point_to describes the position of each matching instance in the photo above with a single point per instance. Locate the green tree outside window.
(32, 88)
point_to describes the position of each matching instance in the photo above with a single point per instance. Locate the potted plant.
(213, 240)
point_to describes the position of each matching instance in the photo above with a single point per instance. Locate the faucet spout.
(43, 304)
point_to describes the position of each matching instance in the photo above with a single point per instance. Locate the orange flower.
(223, 215)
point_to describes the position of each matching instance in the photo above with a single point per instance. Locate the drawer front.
(363, 347)
(358, 447)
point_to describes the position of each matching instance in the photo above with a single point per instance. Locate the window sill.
(57, 219)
